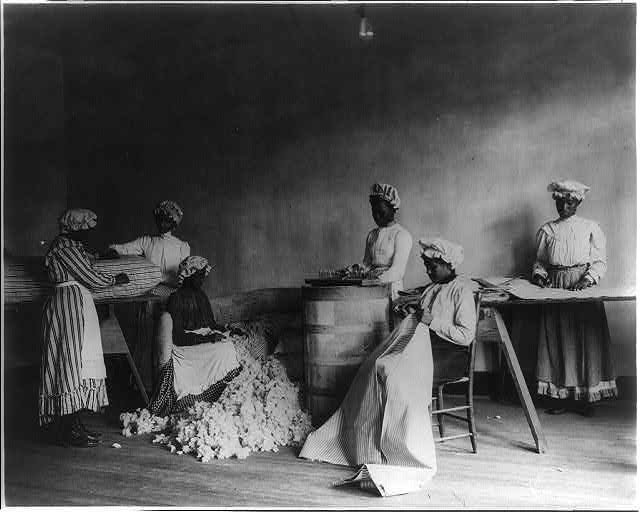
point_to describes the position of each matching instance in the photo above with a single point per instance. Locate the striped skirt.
(66, 384)
(384, 417)
(574, 348)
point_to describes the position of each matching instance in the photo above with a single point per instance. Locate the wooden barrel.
(342, 325)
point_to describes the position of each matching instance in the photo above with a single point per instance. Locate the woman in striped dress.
(72, 375)
(384, 418)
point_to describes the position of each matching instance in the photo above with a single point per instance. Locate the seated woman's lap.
(449, 360)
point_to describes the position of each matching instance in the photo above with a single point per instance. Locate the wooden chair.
(440, 411)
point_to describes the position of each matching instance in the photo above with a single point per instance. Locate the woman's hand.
(585, 282)
(425, 316)
(122, 278)
(541, 281)
(108, 254)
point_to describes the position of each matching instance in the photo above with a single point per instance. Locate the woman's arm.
(133, 248)
(401, 252)
(77, 263)
(539, 274)
(461, 327)
(368, 258)
(598, 254)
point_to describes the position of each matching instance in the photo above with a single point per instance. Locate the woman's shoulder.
(62, 243)
(463, 284)
(402, 231)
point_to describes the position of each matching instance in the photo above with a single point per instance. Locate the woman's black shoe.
(89, 433)
(70, 434)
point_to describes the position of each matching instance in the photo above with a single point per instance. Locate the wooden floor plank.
(591, 463)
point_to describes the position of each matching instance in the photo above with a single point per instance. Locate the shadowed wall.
(268, 124)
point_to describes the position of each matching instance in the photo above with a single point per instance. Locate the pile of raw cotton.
(258, 411)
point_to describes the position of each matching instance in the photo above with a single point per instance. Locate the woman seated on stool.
(384, 417)
(195, 363)
(72, 373)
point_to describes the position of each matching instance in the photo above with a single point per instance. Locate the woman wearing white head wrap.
(387, 246)
(163, 249)
(574, 349)
(195, 361)
(384, 419)
(72, 375)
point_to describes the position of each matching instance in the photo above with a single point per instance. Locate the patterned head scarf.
(190, 265)
(443, 249)
(387, 192)
(77, 219)
(170, 210)
(568, 189)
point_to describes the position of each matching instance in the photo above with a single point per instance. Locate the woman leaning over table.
(574, 367)
(72, 375)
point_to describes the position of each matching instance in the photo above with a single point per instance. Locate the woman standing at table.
(388, 246)
(164, 249)
(72, 375)
(574, 350)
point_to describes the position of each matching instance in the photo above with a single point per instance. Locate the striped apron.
(384, 418)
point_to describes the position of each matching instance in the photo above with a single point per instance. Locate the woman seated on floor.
(384, 417)
(195, 361)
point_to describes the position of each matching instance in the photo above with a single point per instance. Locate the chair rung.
(451, 409)
(455, 416)
(449, 438)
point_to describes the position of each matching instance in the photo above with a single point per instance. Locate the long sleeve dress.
(384, 417)
(166, 251)
(387, 249)
(574, 346)
(195, 369)
(72, 372)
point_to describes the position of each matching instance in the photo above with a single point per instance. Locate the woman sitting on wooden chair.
(195, 362)
(384, 418)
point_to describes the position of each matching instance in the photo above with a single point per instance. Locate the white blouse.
(453, 309)
(165, 251)
(388, 248)
(569, 242)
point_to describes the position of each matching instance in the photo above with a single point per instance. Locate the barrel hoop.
(375, 328)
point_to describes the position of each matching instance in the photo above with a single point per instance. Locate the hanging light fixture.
(366, 30)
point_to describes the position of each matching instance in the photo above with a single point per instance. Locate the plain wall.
(268, 124)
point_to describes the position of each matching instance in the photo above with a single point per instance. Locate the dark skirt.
(574, 348)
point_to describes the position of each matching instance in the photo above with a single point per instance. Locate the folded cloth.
(389, 480)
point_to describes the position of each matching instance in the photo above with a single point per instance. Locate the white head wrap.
(190, 265)
(387, 192)
(77, 219)
(568, 188)
(443, 249)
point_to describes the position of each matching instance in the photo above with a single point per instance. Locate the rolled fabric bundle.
(143, 277)
(25, 279)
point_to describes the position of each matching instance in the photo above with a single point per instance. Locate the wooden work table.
(508, 299)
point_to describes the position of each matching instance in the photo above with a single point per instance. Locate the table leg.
(521, 386)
